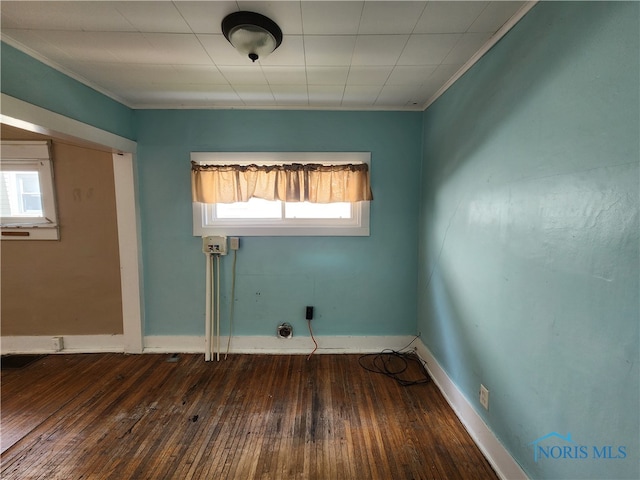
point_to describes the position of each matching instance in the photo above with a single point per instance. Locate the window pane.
(317, 210)
(29, 182)
(30, 193)
(20, 194)
(32, 204)
(254, 208)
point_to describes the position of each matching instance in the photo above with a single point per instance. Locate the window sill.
(283, 231)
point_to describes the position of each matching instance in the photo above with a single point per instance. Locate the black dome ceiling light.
(252, 34)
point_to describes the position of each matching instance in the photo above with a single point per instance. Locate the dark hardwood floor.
(112, 416)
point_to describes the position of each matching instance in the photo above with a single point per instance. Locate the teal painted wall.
(32, 81)
(528, 238)
(359, 285)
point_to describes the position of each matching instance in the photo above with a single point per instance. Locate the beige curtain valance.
(295, 182)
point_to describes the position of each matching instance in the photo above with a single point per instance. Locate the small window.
(258, 217)
(27, 202)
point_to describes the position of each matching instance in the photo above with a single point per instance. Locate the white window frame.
(31, 156)
(204, 222)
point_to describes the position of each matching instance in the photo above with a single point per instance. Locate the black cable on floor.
(394, 364)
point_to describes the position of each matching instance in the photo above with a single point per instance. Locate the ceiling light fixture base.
(252, 34)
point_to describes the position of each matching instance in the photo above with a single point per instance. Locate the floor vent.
(285, 330)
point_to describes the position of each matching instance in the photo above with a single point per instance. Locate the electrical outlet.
(214, 245)
(234, 243)
(484, 397)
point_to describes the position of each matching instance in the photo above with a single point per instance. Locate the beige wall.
(70, 286)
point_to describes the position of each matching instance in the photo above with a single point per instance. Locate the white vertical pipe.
(212, 315)
(207, 325)
(218, 308)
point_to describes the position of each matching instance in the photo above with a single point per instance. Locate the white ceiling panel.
(343, 18)
(359, 75)
(428, 49)
(424, 94)
(221, 94)
(203, 74)
(393, 18)
(494, 16)
(87, 16)
(164, 17)
(397, 95)
(323, 95)
(334, 54)
(449, 17)
(468, 44)
(53, 51)
(378, 49)
(99, 46)
(127, 47)
(440, 76)
(285, 75)
(246, 75)
(290, 94)
(327, 75)
(410, 75)
(360, 94)
(113, 74)
(186, 95)
(331, 50)
(260, 95)
(205, 17)
(163, 74)
(177, 49)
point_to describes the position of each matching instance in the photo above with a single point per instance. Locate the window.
(260, 217)
(27, 204)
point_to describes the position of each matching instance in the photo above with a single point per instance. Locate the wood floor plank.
(60, 370)
(113, 416)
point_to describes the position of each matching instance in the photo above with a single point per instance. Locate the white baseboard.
(195, 344)
(71, 344)
(274, 345)
(502, 462)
